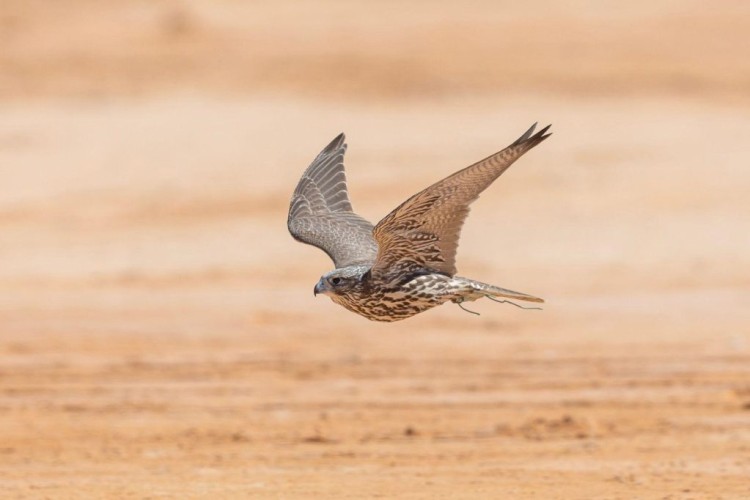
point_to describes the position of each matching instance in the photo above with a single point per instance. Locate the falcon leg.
(462, 307)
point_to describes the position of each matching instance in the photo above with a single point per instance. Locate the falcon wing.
(423, 232)
(321, 215)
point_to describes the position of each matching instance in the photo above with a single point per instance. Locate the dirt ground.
(158, 333)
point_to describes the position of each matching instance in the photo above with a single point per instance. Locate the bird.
(406, 264)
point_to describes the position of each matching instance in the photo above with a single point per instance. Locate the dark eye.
(336, 281)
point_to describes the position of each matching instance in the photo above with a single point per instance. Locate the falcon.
(405, 264)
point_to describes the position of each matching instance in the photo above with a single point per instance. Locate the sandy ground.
(158, 333)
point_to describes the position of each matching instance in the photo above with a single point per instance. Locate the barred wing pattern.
(422, 233)
(321, 215)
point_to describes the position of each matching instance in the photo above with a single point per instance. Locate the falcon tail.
(476, 290)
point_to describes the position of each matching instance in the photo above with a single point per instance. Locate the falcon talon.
(405, 264)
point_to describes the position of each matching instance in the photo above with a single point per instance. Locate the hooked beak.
(320, 287)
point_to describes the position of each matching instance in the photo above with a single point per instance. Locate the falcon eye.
(336, 281)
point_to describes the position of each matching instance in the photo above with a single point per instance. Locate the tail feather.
(476, 290)
(496, 291)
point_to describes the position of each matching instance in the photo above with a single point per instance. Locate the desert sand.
(158, 333)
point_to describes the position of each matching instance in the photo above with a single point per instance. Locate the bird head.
(340, 281)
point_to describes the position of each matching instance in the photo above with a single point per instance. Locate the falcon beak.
(319, 288)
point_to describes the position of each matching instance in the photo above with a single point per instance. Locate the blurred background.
(157, 327)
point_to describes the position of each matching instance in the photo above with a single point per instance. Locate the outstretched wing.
(321, 215)
(423, 232)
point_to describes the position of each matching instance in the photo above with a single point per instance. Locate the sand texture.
(158, 333)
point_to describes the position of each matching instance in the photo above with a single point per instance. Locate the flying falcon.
(406, 263)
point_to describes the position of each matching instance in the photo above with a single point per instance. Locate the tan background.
(158, 333)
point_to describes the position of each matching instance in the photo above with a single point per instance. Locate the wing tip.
(336, 146)
(338, 142)
(531, 138)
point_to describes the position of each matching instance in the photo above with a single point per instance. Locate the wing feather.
(320, 213)
(423, 232)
